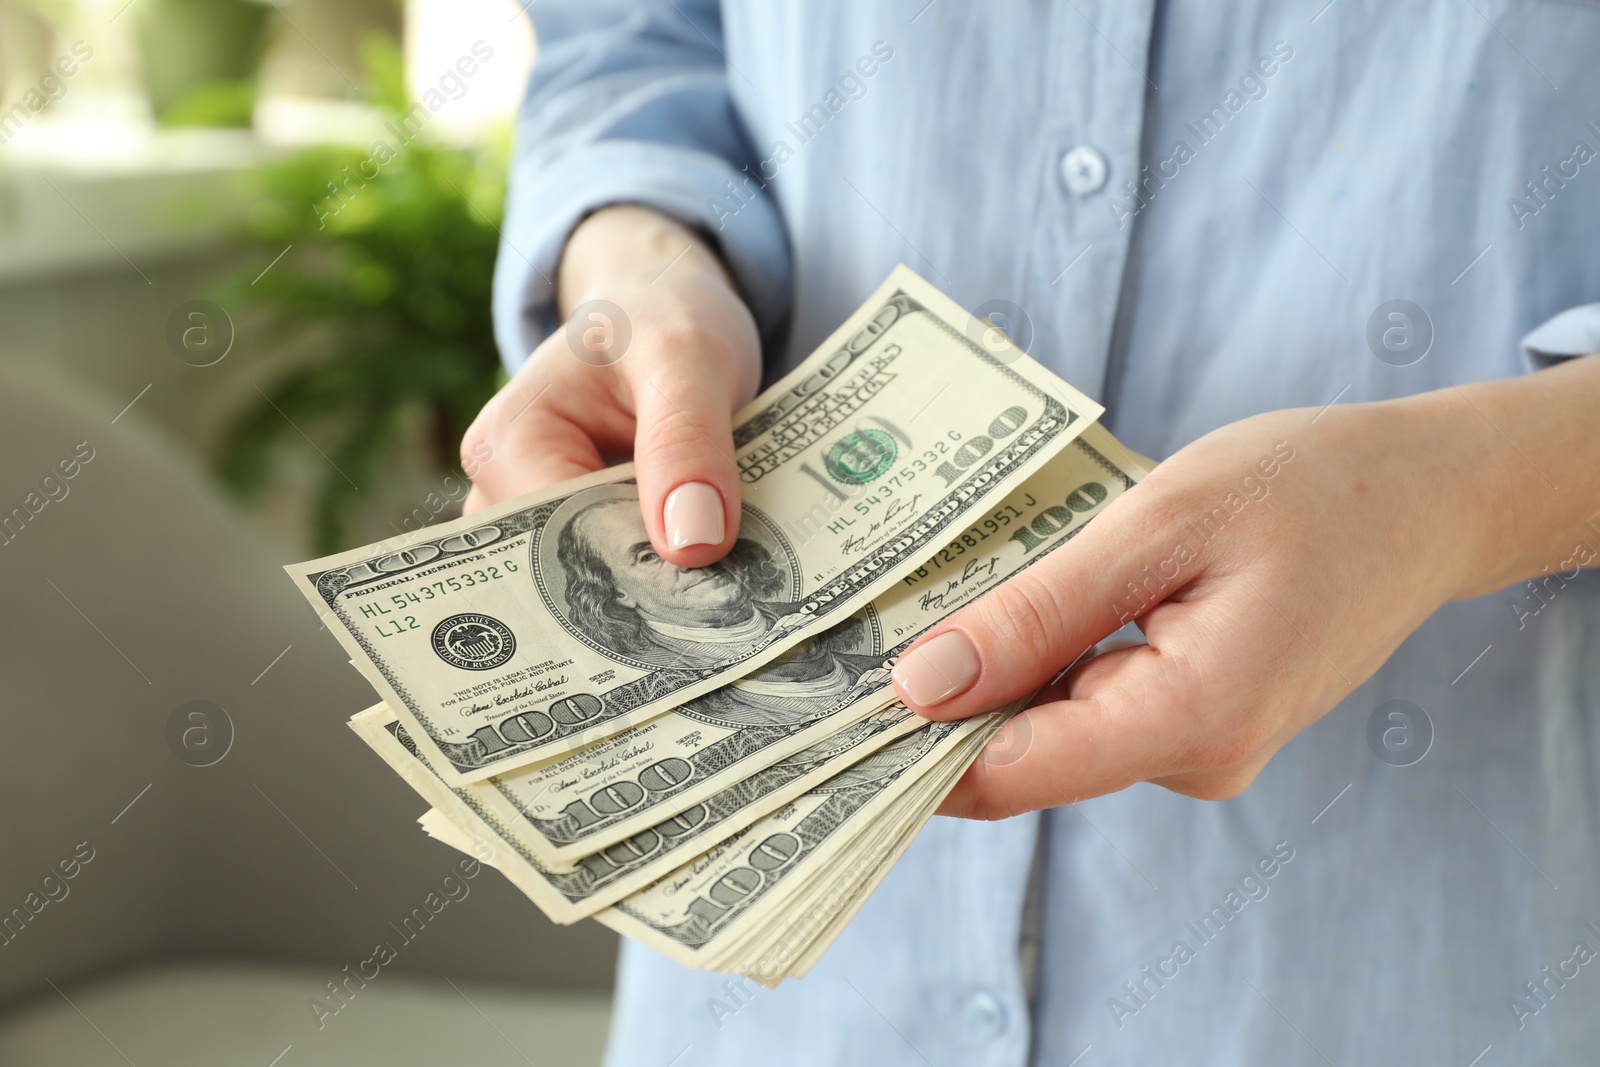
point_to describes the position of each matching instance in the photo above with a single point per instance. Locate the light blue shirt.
(1202, 210)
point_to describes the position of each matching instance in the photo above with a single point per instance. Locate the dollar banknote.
(569, 891)
(626, 783)
(544, 624)
(752, 902)
(784, 938)
(780, 936)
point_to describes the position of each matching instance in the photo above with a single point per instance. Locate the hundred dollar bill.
(792, 938)
(568, 891)
(700, 913)
(544, 624)
(614, 788)
(791, 935)
(784, 938)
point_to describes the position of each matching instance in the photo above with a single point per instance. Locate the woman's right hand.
(657, 368)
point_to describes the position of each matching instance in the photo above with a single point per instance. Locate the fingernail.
(935, 672)
(693, 515)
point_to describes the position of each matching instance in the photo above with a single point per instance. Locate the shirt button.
(986, 1016)
(1084, 170)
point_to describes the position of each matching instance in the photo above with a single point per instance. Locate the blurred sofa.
(220, 903)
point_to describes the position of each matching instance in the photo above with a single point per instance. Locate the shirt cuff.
(1574, 332)
(549, 198)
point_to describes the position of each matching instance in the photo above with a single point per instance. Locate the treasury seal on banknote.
(474, 642)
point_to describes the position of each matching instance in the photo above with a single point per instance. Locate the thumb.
(683, 458)
(1021, 634)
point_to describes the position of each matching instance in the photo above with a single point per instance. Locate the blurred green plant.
(387, 279)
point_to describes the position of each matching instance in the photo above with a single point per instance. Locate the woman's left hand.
(1273, 566)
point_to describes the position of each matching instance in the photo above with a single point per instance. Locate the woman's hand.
(661, 380)
(1273, 566)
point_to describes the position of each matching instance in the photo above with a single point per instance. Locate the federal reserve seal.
(473, 642)
(857, 458)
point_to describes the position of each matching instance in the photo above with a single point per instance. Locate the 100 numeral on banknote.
(546, 623)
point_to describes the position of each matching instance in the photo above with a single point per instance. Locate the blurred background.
(245, 262)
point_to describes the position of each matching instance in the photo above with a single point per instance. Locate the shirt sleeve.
(1574, 332)
(629, 102)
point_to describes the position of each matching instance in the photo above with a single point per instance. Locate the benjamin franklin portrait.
(615, 590)
(611, 587)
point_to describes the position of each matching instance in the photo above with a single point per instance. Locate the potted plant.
(201, 58)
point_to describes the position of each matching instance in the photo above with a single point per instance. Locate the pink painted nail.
(693, 515)
(933, 673)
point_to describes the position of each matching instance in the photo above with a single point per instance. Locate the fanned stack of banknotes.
(713, 761)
